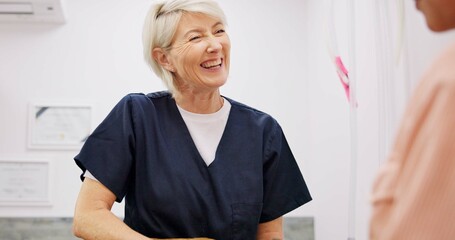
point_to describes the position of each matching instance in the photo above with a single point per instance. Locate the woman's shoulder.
(131, 101)
(159, 94)
(152, 95)
(244, 107)
(250, 112)
(145, 97)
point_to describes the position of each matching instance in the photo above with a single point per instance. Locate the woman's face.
(439, 14)
(199, 55)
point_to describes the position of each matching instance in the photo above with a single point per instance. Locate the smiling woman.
(189, 162)
(198, 58)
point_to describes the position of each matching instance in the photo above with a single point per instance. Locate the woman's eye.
(220, 31)
(194, 38)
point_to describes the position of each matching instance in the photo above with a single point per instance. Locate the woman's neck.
(202, 103)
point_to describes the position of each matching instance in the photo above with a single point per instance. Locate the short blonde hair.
(161, 24)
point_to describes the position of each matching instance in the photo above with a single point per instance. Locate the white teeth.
(211, 64)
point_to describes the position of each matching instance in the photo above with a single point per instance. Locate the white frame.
(76, 119)
(26, 179)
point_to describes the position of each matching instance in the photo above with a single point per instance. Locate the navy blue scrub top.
(143, 152)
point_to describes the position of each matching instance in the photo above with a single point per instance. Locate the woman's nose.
(214, 45)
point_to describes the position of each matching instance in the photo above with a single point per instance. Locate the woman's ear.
(162, 58)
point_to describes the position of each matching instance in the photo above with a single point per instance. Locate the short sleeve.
(284, 186)
(108, 151)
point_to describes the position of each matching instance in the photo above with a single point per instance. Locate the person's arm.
(93, 219)
(272, 230)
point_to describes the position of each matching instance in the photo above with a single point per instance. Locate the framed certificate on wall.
(53, 126)
(25, 182)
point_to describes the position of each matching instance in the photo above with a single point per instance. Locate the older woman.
(189, 162)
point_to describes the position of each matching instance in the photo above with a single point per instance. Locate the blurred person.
(414, 192)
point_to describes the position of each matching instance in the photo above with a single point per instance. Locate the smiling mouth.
(212, 64)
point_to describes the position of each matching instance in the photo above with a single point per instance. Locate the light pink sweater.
(414, 193)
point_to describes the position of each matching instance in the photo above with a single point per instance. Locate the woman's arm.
(93, 219)
(272, 230)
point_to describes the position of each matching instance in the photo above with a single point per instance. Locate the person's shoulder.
(442, 71)
(133, 95)
(446, 57)
(145, 97)
(451, 48)
(152, 95)
(141, 99)
(159, 94)
(244, 107)
(249, 111)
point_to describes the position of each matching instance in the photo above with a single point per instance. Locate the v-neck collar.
(186, 134)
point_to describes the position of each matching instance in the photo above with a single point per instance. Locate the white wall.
(279, 65)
